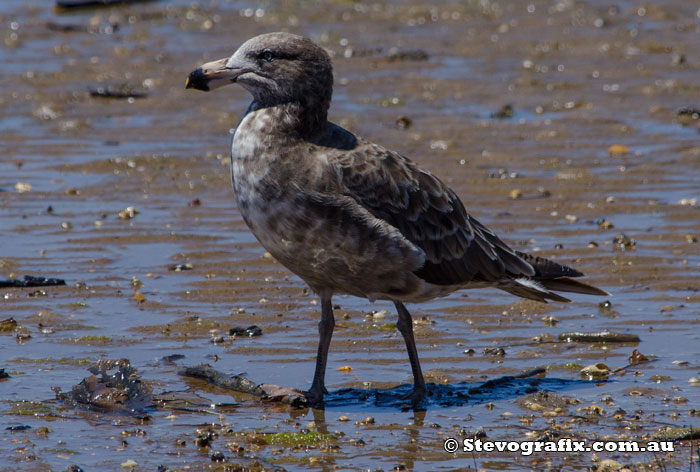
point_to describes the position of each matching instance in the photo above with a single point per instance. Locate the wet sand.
(581, 77)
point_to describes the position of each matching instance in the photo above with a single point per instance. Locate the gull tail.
(549, 277)
(567, 284)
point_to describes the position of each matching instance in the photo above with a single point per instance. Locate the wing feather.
(428, 213)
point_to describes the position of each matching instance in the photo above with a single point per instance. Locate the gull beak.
(212, 75)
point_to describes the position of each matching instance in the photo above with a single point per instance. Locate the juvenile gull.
(350, 216)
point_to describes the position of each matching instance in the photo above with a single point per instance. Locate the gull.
(349, 216)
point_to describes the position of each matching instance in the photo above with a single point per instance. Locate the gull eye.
(268, 56)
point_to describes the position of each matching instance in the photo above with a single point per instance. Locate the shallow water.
(576, 89)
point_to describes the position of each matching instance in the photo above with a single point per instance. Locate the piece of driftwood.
(598, 337)
(239, 383)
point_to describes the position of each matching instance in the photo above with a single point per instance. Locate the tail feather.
(549, 277)
(567, 284)
(531, 289)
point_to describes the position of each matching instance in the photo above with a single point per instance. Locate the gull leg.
(325, 331)
(405, 327)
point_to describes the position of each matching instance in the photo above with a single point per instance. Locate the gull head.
(274, 67)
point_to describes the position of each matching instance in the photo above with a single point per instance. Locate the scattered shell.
(605, 224)
(250, 331)
(624, 242)
(637, 358)
(23, 187)
(128, 213)
(45, 112)
(136, 283)
(618, 150)
(181, 267)
(130, 464)
(8, 325)
(693, 113)
(682, 201)
(506, 111)
(531, 405)
(403, 122)
(609, 465)
(439, 144)
(494, 351)
(595, 371)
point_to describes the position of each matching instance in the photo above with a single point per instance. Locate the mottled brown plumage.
(347, 215)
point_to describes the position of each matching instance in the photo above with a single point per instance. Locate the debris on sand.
(120, 92)
(8, 325)
(595, 371)
(395, 54)
(250, 331)
(598, 337)
(239, 383)
(678, 434)
(637, 358)
(31, 281)
(506, 111)
(69, 4)
(121, 392)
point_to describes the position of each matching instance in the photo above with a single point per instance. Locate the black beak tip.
(197, 80)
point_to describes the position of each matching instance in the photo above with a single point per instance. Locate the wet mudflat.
(115, 179)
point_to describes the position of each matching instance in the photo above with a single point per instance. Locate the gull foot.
(314, 396)
(416, 396)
